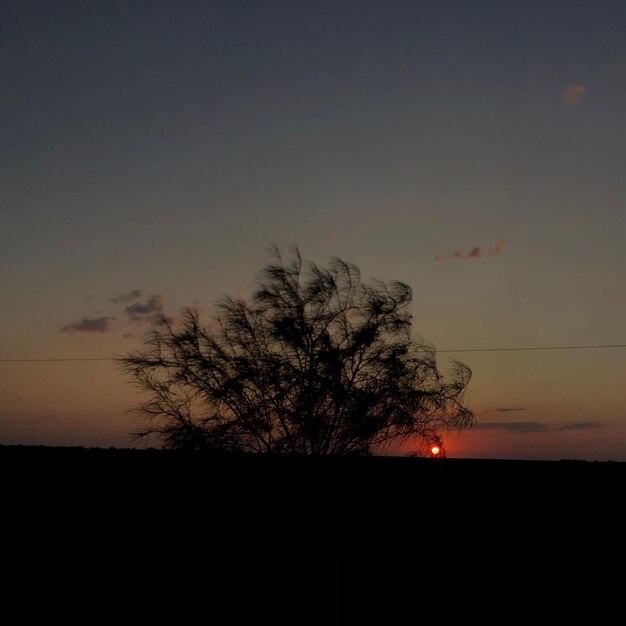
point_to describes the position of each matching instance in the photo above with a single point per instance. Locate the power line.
(519, 349)
(614, 345)
(53, 360)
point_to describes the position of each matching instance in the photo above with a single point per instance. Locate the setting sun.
(435, 450)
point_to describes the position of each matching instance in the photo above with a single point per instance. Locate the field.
(85, 490)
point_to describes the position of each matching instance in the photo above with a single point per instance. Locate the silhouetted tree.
(318, 362)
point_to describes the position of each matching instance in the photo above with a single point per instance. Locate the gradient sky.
(475, 150)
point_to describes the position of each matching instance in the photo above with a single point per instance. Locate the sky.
(151, 151)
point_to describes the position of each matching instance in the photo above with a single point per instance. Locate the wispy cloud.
(89, 325)
(513, 427)
(144, 312)
(505, 409)
(129, 296)
(574, 93)
(459, 254)
(495, 249)
(537, 427)
(580, 426)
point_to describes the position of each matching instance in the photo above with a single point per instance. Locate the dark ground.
(79, 489)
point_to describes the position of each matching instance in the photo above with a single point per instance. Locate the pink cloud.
(498, 248)
(574, 93)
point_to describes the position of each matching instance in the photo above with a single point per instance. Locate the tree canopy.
(319, 361)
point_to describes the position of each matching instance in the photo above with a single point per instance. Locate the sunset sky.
(151, 151)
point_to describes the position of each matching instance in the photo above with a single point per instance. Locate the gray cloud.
(505, 409)
(89, 325)
(476, 252)
(537, 427)
(513, 427)
(129, 296)
(458, 254)
(144, 312)
(581, 426)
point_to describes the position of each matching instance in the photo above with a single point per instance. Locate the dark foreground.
(78, 489)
